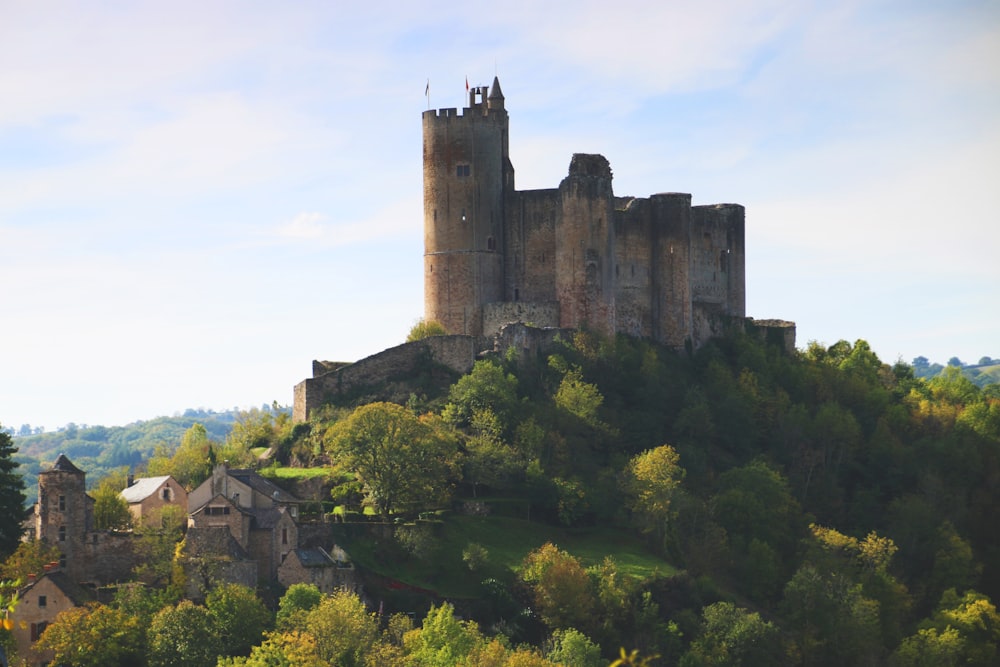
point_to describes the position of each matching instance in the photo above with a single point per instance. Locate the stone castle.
(571, 257)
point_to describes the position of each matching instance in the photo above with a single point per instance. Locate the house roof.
(63, 464)
(314, 557)
(261, 485)
(76, 593)
(143, 488)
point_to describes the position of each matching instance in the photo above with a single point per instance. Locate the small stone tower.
(467, 173)
(64, 513)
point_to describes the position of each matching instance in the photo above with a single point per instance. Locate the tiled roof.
(143, 488)
(314, 557)
(76, 593)
(262, 485)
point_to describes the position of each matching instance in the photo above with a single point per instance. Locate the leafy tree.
(94, 636)
(182, 636)
(156, 544)
(561, 589)
(732, 635)
(975, 618)
(291, 648)
(12, 510)
(343, 628)
(111, 511)
(192, 462)
(442, 640)
(425, 329)
(30, 557)
(652, 480)
(238, 616)
(572, 647)
(297, 601)
(486, 387)
(579, 398)
(404, 462)
(929, 648)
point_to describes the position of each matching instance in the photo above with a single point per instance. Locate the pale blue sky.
(197, 199)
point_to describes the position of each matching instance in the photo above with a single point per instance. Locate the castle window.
(43, 601)
(724, 261)
(517, 294)
(463, 171)
(62, 533)
(491, 243)
(62, 503)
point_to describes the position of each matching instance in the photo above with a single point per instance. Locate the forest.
(613, 502)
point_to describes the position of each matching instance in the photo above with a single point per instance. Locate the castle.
(572, 257)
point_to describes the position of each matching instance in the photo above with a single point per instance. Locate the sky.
(197, 199)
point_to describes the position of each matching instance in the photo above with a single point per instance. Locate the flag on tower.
(466, 84)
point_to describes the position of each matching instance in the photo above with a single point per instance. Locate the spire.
(63, 464)
(496, 98)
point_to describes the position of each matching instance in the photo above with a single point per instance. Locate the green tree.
(12, 509)
(651, 482)
(291, 648)
(404, 462)
(192, 462)
(111, 511)
(30, 557)
(94, 636)
(297, 601)
(976, 619)
(238, 616)
(486, 387)
(572, 647)
(425, 329)
(343, 628)
(182, 636)
(156, 544)
(734, 636)
(561, 588)
(442, 639)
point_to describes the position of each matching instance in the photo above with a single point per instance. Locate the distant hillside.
(985, 372)
(99, 449)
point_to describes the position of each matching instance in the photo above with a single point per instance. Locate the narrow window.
(43, 601)
(166, 493)
(284, 536)
(62, 503)
(62, 561)
(62, 533)
(517, 294)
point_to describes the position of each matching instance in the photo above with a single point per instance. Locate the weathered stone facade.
(570, 257)
(146, 497)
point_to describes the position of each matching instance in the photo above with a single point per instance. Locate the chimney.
(31, 577)
(131, 479)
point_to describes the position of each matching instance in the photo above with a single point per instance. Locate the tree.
(291, 648)
(30, 557)
(561, 589)
(12, 510)
(404, 462)
(156, 545)
(734, 636)
(652, 480)
(425, 329)
(182, 636)
(238, 616)
(192, 462)
(572, 647)
(94, 636)
(442, 639)
(297, 601)
(111, 511)
(343, 628)
(486, 387)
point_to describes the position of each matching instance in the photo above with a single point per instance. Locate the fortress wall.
(585, 246)
(496, 315)
(531, 246)
(778, 332)
(717, 257)
(457, 352)
(633, 267)
(670, 284)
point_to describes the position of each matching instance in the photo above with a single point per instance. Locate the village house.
(41, 600)
(147, 496)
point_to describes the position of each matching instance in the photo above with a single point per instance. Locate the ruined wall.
(633, 268)
(671, 283)
(496, 315)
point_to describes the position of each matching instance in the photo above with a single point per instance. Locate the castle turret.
(63, 514)
(466, 169)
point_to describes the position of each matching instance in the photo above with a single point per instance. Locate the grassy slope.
(507, 541)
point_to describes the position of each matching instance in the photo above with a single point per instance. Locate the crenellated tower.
(467, 173)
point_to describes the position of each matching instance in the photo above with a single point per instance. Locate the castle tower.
(585, 246)
(63, 514)
(466, 174)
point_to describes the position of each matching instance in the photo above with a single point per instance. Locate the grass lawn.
(507, 541)
(298, 473)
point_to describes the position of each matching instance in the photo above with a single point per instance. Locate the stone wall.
(496, 315)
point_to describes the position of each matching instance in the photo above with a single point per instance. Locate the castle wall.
(670, 282)
(585, 246)
(530, 246)
(496, 315)
(633, 268)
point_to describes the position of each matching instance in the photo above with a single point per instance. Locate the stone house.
(147, 496)
(329, 572)
(42, 599)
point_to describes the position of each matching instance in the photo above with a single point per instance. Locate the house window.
(62, 503)
(43, 601)
(166, 493)
(37, 629)
(216, 511)
(284, 536)
(62, 533)
(463, 170)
